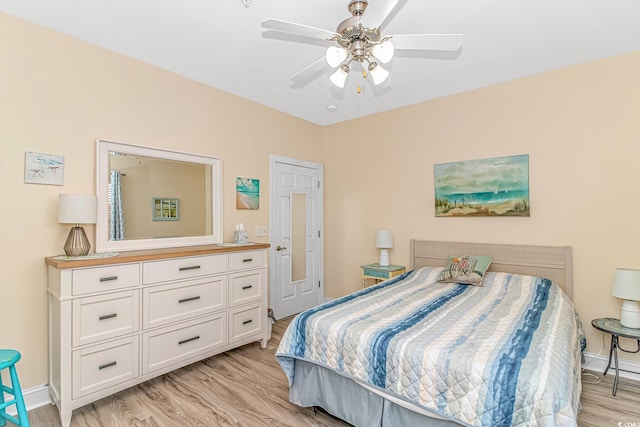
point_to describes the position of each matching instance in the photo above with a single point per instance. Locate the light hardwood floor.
(246, 387)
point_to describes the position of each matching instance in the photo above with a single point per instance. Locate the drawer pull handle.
(247, 260)
(108, 279)
(108, 316)
(246, 322)
(193, 267)
(244, 288)
(188, 299)
(107, 365)
(197, 337)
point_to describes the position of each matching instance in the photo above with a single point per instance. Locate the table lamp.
(626, 286)
(77, 209)
(384, 241)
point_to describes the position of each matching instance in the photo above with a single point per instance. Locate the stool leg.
(3, 420)
(17, 390)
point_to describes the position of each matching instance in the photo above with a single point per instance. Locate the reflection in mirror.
(153, 198)
(298, 237)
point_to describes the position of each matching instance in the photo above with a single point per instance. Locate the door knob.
(280, 248)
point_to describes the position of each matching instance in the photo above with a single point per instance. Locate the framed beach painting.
(247, 193)
(40, 168)
(497, 186)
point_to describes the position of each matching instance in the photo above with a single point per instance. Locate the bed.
(412, 351)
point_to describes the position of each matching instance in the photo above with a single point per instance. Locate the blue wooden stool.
(8, 359)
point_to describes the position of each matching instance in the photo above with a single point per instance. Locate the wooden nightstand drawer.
(105, 316)
(102, 366)
(376, 273)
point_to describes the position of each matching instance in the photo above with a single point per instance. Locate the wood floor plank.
(246, 387)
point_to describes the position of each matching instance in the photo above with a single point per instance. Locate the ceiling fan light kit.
(363, 44)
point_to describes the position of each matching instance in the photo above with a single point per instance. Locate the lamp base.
(384, 258)
(77, 243)
(630, 314)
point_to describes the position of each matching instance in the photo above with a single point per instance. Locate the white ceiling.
(221, 43)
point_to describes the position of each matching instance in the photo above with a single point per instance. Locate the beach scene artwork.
(40, 168)
(247, 193)
(497, 186)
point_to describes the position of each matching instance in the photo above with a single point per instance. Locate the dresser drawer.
(370, 272)
(108, 278)
(247, 286)
(171, 345)
(105, 316)
(180, 301)
(98, 367)
(182, 268)
(245, 322)
(244, 260)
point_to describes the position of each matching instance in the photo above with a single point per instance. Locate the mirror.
(154, 198)
(298, 237)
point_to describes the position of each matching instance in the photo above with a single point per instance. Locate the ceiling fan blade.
(298, 29)
(308, 70)
(376, 17)
(427, 41)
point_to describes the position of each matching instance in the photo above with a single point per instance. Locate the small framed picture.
(42, 168)
(165, 209)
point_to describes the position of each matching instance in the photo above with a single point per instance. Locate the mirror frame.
(103, 244)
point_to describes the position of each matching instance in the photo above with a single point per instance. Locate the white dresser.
(116, 322)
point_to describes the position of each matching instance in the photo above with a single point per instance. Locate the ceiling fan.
(358, 41)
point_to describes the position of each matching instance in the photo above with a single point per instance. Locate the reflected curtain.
(116, 217)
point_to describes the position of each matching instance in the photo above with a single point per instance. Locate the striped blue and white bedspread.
(505, 354)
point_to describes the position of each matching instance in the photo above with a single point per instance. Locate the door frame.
(273, 159)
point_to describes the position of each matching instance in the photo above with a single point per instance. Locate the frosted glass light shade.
(378, 74)
(626, 285)
(383, 51)
(335, 55)
(77, 208)
(340, 76)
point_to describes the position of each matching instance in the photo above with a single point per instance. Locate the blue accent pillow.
(466, 269)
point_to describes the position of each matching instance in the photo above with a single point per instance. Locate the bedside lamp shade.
(384, 241)
(626, 286)
(77, 209)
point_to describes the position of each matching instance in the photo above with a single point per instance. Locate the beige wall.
(581, 129)
(57, 95)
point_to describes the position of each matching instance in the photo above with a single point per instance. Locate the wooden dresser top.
(151, 254)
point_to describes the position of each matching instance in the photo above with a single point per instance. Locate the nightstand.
(613, 327)
(380, 273)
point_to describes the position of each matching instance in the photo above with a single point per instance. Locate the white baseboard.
(34, 397)
(327, 299)
(598, 363)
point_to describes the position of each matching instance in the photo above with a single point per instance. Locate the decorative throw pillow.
(467, 269)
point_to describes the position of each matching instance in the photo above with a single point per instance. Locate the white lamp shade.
(384, 239)
(378, 74)
(335, 55)
(626, 284)
(383, 51)
(77, 208)
(339, 77)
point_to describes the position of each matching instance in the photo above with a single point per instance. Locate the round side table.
(612, 326)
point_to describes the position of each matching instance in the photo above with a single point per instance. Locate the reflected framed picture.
(497, 186)
(165, 209)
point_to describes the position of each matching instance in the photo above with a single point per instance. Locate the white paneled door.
(296, 236)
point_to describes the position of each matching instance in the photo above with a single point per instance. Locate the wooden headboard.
(552, 262)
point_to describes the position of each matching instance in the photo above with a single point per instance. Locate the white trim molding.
(34, 397)
(598, 363)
